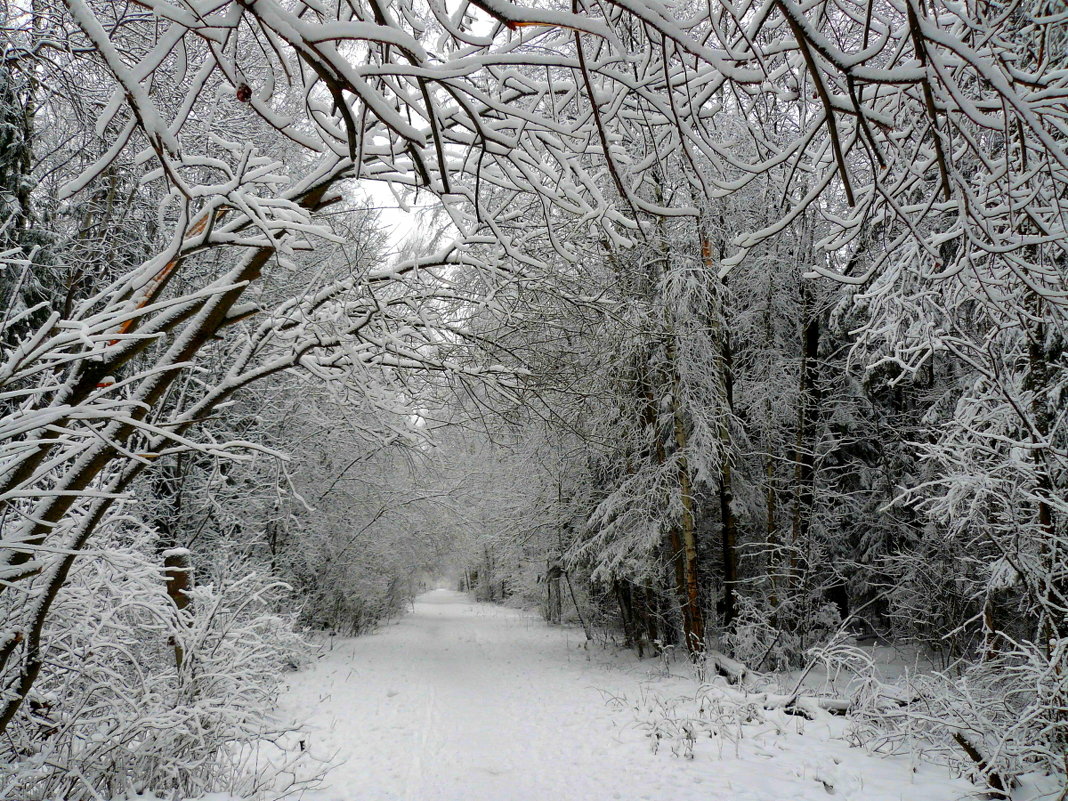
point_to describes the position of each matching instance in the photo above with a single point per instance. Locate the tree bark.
(555, 599)
(685, 536)
(809, 399)
(728, 520)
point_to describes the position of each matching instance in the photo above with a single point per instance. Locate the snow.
(470, 701)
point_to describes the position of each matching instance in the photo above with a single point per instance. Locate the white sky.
(400, 223)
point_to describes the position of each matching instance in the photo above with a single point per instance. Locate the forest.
(729, 337)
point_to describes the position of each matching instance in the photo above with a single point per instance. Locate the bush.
(113, 714)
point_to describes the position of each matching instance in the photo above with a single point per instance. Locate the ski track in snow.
(472, 702)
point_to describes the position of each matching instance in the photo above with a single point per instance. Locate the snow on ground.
(471, 702)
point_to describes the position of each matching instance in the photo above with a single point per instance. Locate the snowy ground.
(472, 702)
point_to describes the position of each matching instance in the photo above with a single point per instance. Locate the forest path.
(472, 702)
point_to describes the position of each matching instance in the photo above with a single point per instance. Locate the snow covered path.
(472, 702)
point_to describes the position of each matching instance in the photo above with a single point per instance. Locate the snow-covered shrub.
(767, 637)
(757, 641)
(994, 721)
(112, 713)
(714, 712)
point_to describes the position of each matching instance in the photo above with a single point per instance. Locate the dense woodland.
(734, 331)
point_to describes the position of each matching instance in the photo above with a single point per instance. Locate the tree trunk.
(177, 566)
(809, 399)
(772, 529)
(673, 549)
(685, 536)
(555, 599)
(1055, 591)
(178, 572)
(728, 521)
